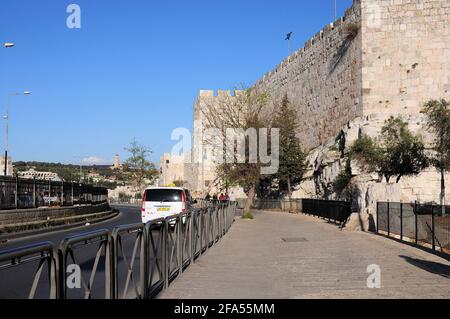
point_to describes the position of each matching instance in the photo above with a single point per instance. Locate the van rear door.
(163, 202)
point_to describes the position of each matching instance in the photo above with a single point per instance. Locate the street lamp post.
(81, 158)
(6, 118)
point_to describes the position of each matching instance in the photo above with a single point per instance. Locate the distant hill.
(68, 172)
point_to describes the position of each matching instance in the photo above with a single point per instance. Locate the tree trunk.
(251, 197)
(443, 191)
(290, 195)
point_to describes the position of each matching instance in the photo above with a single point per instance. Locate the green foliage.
(398, 152)
(343, 179)
(248, 215)
(137, 168)
(367, 152)
(124, 198)
(242, 112)
(65, 172)
(438, 115)
(292, 159)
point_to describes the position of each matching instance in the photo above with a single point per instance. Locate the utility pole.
(81, 158)
(5, 170)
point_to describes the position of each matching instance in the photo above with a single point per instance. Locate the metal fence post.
(144, 266)
(192, 236)
(165, 256)
(179, 245)
(433, 230)
(34, 192)
(62, 194)
(416, 221)
(111, 254)
(401, 221)
(378, 217)
(15, 195)
(389, 218)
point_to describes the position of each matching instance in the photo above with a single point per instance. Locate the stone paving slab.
(253, 262)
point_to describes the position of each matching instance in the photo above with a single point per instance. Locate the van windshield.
(163, 195)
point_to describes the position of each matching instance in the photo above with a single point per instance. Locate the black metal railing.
(422, 224)
(130, 262)
(336, 211)
(21, 193)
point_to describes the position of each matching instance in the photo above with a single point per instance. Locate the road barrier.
(21, 193)
(141, 267)
(422, 224)
(336, 211)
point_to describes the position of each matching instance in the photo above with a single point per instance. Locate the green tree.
(244, 111)
(138, 170)
(343, 180)
(438, 115)
(292, 159)
(397, 153)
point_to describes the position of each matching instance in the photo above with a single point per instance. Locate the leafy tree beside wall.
(438, 115)
(292, 159)
(397, 153)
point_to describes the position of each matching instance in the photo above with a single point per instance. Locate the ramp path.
(279, 255)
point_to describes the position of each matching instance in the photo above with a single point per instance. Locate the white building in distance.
(32, 173)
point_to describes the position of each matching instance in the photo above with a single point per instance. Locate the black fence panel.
(20, 193)
(42, 193)
(7, 193)
(267, 204)
(129, 262)
(423, 224)
(25, 194)
(336, 211)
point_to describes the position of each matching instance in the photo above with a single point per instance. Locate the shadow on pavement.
(430, 266)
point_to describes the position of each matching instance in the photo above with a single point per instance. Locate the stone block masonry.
(382, 58)
(323, 80)
(406, 54)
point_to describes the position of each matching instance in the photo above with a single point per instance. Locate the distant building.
(32, 173)
(10, 167)
(171, 169)
(117, 164)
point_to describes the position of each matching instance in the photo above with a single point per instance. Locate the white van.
(162, 202)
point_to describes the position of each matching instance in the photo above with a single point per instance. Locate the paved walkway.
(252, 261)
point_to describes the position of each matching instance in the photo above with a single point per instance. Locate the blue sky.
(134, 68)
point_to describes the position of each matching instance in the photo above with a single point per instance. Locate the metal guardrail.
(130, 262)
(335, 211)
(43, 254)
(422, 224)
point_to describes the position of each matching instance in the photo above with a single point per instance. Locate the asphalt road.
(128, 215)
(16, 282)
